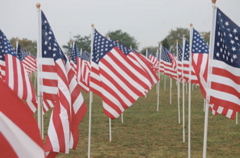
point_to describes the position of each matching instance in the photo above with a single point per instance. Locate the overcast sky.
(149, 21)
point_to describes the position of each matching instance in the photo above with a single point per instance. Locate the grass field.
(148, 133)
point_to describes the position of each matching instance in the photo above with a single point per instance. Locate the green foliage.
(82, 42)
(153, 50)
(174, 35)
(206, 36)
(27, 45)
(124, 39)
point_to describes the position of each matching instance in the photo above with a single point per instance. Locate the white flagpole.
(110, 130)
(158, 92)
(178, 88)
(39, 56)
(190, 93)
(170, 90)
(110, 121)
(159, 74)
(90, 102)
(122, 117)
(211, 49)
(183, 97)
(237, 118)
(165, 82)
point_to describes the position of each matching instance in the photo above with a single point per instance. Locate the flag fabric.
(154, 61)
(161, 65)
(82, 67)
(179, 62)
(16, 76)
(86, 67)
(28, 60)
(19, 132)
(200, 57)
(69, 107)
(224, 75)
(2, 63)
(188, 72)
(142, 62)
(169, 63)
(117, 79)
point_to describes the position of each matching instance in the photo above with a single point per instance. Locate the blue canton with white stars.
(74, 52)
(227, 44)
(198, 44)
(186, 51)
(50, 47)
(101, 46)
(85, 56)
(165, 56)
(6, 47)
(21, 53)
(124, 49)
(179, 53)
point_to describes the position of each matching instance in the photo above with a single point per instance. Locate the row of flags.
(219, 79)
(117, 74)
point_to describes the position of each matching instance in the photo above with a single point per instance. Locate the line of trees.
(124, 38)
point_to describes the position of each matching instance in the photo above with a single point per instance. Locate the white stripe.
(224, 96)
(21, 143)
(10, 72)
(50, 90)
(222, 65)
(124, 74)
(119, 81)
(66, 130)
(110, 110)
(52, 134)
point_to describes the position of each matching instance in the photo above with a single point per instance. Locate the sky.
(148, 21)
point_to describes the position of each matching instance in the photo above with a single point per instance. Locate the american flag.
(179, 62)
(154, 61)
(82, 68)
(142, 62)
(161, 65)
(186, 64)
(116, 78)
(224, 76)
(16, 76)
(20, 135)
(69, 107)
(169, 63)
(200, 59)
(28, 60)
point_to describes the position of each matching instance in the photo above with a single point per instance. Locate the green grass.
(148, 133)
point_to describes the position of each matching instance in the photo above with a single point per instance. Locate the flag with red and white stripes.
(19, 132)
(224, 64)
(142, 62)
(188, 71)
(169, 63)
(179, 63)
(69, 106)
(16, 76)
(200, 59)
(28, 60)
(154, 61)
(118, 79)
(82, 67)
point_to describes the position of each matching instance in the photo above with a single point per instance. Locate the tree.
(82, 42)
(176, 35)
(124, 39)
(151, 49)
(27, 45)
(206, 36)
